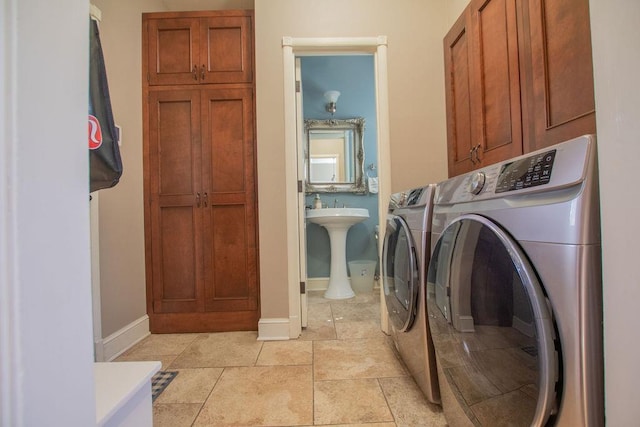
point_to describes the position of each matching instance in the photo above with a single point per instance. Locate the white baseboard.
(120, 341)
(322, 283)
(273, 329)
(317, 283)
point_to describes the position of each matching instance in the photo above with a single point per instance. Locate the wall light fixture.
(331, 97)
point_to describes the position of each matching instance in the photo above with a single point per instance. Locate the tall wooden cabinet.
(199, 169)
(518, 77)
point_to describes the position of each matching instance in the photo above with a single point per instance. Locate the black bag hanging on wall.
(105, 163)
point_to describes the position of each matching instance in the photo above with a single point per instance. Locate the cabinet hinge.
(299, 186)
(303, 288)
(297, 86)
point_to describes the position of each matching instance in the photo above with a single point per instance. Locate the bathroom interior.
(353, 77)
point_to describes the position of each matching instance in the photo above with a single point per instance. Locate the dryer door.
(491, 326)
(400, 273)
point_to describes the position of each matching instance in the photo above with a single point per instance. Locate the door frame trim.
(293, 46)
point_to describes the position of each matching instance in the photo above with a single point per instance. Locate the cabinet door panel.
(231, 280)
(173, 51)
(562, 71)
(496, 92)
(230, 250)
(457, 52)
(175, 270)
(174, 187)
(226, 49)
(228, 158)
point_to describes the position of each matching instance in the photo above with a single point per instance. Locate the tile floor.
(342, 371)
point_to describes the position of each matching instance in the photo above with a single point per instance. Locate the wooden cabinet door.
(173, 51)
(484, 121)
(561, 74)
(175, 200)
(495, 89)
(457, 64)
(229, 227)
(226, 49)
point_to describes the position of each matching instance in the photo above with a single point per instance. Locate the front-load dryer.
(405, 256)
(514, 291)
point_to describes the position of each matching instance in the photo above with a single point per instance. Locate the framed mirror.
(334, 155)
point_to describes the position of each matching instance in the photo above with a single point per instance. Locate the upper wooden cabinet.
(199, 49)
(483, 86)
(518, 77)
(559, 102)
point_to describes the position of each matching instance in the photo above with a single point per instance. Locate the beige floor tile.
(350, 359)
(360, 425)
(190, 386)
(286, 353)
(260, 396)
(318, 333)
(162, 345)
(354, 312)
(175, 414)
(409, 406)
(217, 350)
(320, 323)
(316, 297)
(349, 401)
(165, 360)
(372, 297)
(359, 329)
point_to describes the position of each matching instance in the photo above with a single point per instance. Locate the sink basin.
(337, 221)
(337, 216)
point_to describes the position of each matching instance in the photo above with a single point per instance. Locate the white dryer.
(514, 291)
(405, 256)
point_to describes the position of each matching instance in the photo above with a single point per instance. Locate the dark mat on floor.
(160, 381)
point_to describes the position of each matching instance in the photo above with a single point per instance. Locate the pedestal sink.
(337, 221)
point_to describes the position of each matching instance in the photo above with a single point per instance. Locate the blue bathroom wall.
(354, 77)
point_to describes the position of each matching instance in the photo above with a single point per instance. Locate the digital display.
(525, 173)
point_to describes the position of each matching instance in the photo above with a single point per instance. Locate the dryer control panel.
(560, 166)
(525, 173)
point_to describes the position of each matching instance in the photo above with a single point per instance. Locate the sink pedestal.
(339, 285)
(337, 221)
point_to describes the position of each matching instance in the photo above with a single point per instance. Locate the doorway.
(293, 47)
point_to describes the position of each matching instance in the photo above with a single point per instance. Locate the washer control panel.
(524, 173)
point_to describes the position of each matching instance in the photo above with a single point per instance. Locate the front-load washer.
(514, 291)
(405, 256)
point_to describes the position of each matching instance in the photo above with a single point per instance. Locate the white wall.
(46, 350)
(616, 56)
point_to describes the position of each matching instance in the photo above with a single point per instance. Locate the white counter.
(123, 393)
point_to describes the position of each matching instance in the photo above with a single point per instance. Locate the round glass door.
(491, 326)
(399, 273)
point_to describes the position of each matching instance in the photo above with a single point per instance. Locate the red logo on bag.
(95, 133)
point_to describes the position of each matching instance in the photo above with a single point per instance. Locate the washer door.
(491, 326)
(400, 273)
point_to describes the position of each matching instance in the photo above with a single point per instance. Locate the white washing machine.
(405, 256)
(515, 291)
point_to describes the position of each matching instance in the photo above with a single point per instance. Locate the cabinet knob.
(195, 72)
(198, 200)
(206, 199)
(202, 72)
